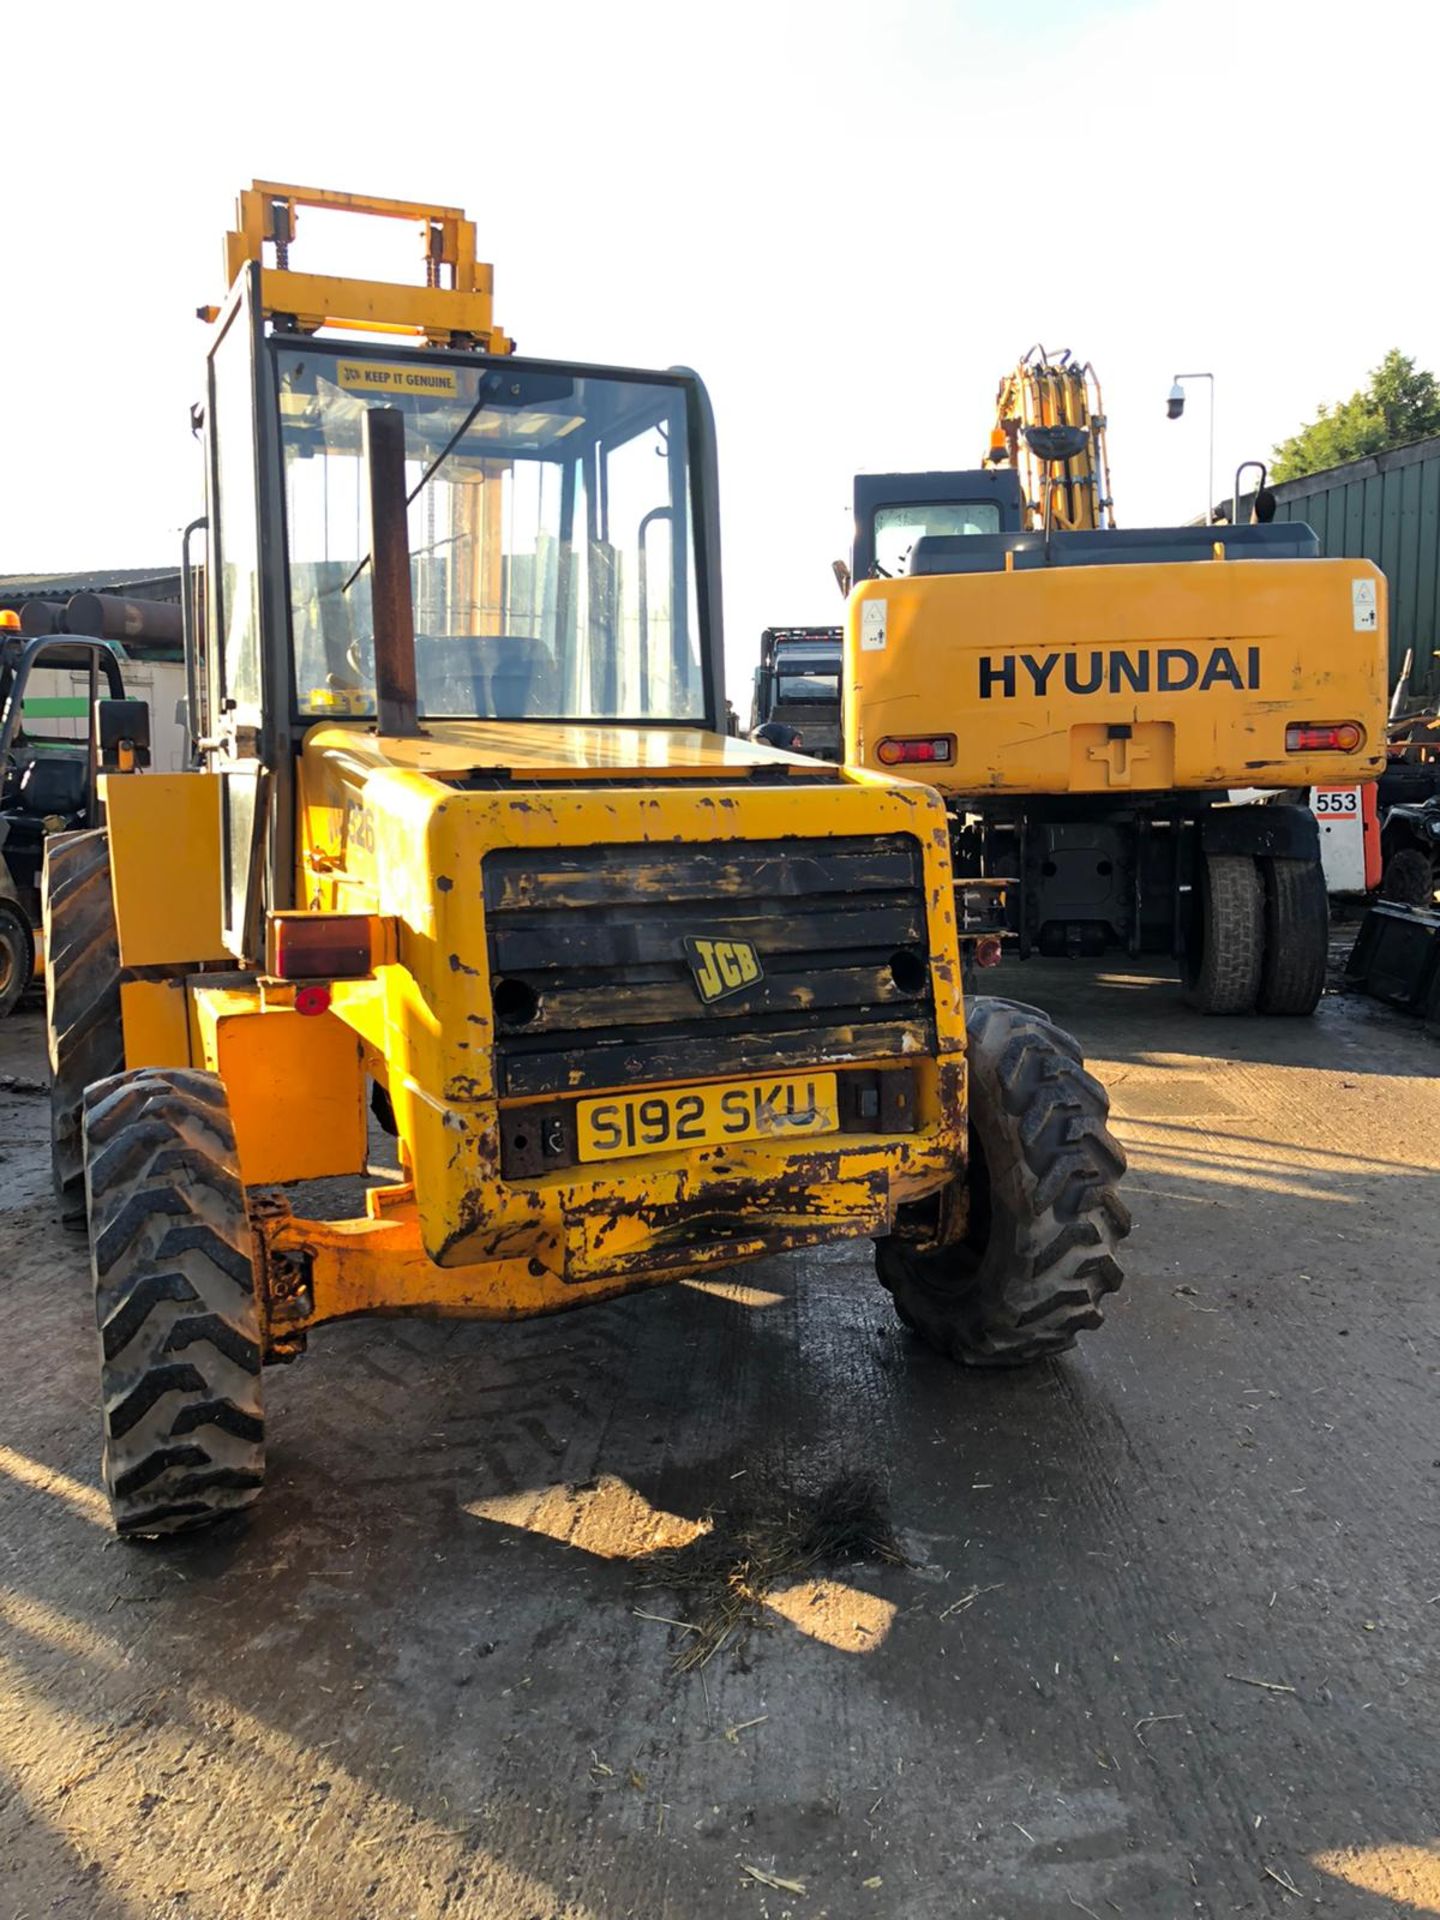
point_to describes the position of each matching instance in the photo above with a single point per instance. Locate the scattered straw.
(1284, 1880)
(728, 1572)
(1154, 1720)
(969, 1599)
(774, 1880)
(732, 1734)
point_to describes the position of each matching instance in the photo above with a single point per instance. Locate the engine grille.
(593, 987)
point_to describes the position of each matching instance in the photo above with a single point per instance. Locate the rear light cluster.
(320, 946)
(1312, 736)
(932, 749)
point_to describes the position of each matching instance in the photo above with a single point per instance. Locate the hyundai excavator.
(1088, 698)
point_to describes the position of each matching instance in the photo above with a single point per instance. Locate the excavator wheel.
(17, 955)
(173, 1259)
(1045, 1218)
(1223, 965)
(82, 997)
(1297, 936)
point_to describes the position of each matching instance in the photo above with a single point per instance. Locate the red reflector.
(935, 749)
(320, 946)
(1312, 737)
(987, 951)
(312, 999)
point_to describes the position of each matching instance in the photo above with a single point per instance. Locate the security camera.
(1175, 405)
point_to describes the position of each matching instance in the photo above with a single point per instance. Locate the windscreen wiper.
(429, 474)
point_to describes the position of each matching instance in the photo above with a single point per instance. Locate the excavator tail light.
(320, 946)
(1319, 737)
(936, 749)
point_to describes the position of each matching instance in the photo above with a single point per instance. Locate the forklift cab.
(402, 542)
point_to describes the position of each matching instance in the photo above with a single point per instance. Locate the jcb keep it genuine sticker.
(872, 627)
(364, 376)
(1363, 598)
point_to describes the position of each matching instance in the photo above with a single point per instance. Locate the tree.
(1399, 405)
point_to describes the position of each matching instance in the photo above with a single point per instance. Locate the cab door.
(245, 735)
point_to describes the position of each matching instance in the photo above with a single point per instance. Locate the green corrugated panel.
(1372, 524)
(1387, 552)
(1425, 633)
(1406, 576)
(1312, 511)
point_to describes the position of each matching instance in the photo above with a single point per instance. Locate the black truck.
(798, 683)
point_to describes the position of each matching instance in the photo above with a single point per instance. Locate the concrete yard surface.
(1164, 1643)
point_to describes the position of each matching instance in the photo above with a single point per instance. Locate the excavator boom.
(1042, 393)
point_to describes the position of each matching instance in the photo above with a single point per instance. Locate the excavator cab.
(894, 510)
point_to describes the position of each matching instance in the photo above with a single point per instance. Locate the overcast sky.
(850, 218)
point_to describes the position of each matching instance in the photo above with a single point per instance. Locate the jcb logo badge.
(722, 967)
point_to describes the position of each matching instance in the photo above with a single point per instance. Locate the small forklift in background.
(47, 779)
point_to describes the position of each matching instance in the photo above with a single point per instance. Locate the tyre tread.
(1297, 936)
(82, 998)
(173, 1260)
(1226, 977)
(1051, 1119)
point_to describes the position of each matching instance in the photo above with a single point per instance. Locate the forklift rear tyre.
(1223, 968)
(1045, 1219)
(1297, 936)
(1409, 878)
(17, 955)
(173, 1259)
(82, 998)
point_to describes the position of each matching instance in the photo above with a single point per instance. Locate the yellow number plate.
(785, 1107)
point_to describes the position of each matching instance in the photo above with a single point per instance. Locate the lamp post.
(1175, 406)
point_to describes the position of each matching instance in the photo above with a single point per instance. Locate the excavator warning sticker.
(364, 376)
(1362, 595)
(872, 627)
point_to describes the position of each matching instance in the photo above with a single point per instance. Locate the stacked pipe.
(105, 616)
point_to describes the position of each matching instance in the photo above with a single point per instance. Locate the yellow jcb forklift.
(470, 845)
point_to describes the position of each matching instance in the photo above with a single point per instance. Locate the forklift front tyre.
(1045, 1217)
(173, 1259)
(17, 955)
